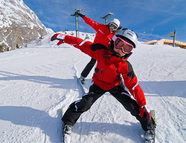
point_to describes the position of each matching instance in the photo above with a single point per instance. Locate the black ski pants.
(78, 107)
(88, 67)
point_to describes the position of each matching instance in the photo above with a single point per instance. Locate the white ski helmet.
(128, 34)
(115, 22)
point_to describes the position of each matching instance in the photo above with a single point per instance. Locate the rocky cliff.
(18, 25)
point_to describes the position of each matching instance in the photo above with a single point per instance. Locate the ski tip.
(63, 110)
(153, 114)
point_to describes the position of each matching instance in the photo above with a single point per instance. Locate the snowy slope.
(35, 82)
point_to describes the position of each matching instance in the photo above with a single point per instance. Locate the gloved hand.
(145, 112)
(79, 14)
(59, 37)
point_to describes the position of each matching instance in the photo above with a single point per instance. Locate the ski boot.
(82, 79)
(67, 130)
(149, 136)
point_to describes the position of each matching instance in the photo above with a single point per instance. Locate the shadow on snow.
(30, 117)
(51, 126)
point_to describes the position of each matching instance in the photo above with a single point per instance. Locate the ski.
(153, 114)
(66, 136)
(152, 139)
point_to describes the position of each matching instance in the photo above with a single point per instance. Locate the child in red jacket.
(104, 34)
(111, 63)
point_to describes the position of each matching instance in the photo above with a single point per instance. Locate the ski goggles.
(126, 47)
(114, 26)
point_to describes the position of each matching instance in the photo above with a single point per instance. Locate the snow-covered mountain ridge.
(18, 25)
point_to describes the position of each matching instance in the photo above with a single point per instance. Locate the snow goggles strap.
(126, 47)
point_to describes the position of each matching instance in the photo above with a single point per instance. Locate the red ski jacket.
(103, 36)
(109, 68)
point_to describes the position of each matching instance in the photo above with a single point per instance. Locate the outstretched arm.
(78, 43)
(95, 25)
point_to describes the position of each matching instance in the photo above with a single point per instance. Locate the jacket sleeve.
(132, 84)
(80, 44)
(95, 25)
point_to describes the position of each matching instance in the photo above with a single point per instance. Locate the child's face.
(111, 29)
(119, 51)
(122, 47)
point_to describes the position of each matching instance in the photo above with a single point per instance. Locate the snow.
(15, 11)
(37, 80)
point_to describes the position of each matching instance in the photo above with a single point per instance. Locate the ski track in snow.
(35, 82)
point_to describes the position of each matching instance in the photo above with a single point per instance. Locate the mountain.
(18, 25)
(35, 82)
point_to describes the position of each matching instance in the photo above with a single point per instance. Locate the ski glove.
(145, 112)
(79, 14)
(59, 37)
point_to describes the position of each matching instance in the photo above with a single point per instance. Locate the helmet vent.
(130, 34)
